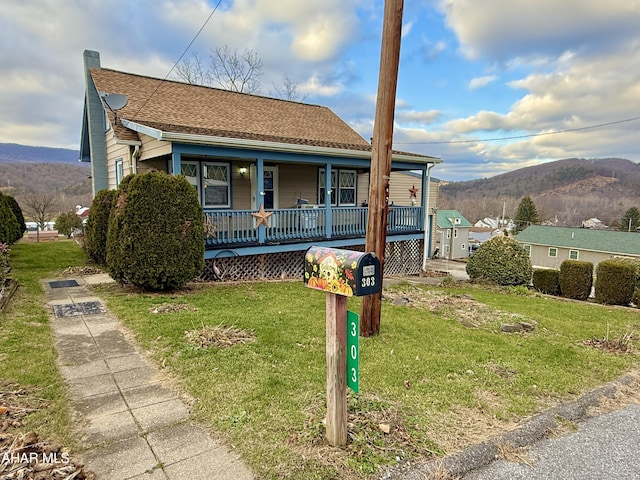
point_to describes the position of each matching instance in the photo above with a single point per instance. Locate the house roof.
(605, 241)
(446, 219)
(182, 108)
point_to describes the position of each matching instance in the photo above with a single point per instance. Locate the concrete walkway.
(134, 427)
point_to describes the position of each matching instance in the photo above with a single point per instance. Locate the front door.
(270, 192)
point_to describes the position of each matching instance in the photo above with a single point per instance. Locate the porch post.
(327, 200)
(175, 163)
(262, 230)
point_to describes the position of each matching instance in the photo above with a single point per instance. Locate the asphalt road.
(604, 447)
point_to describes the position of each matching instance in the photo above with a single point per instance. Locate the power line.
(515, 137)
(179, 58)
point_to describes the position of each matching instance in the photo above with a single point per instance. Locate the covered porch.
(258, 201)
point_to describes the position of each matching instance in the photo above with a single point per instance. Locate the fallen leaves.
(172, 308)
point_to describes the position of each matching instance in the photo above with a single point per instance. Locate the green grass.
(436, 384)
(426, 375)
(27, 352)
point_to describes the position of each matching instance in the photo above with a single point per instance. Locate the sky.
(471, 71)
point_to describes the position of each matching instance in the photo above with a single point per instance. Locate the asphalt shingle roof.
(607, 241)
(185, 108)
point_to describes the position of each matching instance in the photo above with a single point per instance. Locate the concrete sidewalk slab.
(133, 426)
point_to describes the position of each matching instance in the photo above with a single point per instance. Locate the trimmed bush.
(615, 282)
(95, 231)
(502, 261)
(156, 233)
(576, 279)
(9, 226)
(635, 299)
(635, 263)
(547, 281)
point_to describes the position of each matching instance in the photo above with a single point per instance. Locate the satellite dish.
(115, 101)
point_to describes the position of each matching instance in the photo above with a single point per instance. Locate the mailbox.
(343, 272)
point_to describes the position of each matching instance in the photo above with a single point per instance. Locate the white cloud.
(519, 28)
(406, 28)
(416, 117)
(480, 82)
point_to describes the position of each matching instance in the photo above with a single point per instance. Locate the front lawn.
(441, 375)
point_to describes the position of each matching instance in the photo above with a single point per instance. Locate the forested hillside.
(69, 182)
(565, 192)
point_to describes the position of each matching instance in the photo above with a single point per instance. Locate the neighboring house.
(548, 247)
(452, 235)
(481, 235)
(496, 223)
(253, 161)
(593, 223)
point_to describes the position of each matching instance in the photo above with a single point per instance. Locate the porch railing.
(292, 224)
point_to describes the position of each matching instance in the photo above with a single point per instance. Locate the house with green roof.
(452, 234)
(548, 247)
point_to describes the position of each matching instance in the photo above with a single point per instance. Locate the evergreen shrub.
(547, 281)
(615, 282)
(9, 226)
(635, 299)
(156, 233)
(95, 230)
(576, 279)
(500, 260)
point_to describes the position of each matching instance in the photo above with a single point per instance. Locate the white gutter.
(264, 145)
(427, 230)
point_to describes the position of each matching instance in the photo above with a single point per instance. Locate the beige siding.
(294, 181)
(399, 186)
(152, 148)
(297, 181)
(540, 256)
(115, 152)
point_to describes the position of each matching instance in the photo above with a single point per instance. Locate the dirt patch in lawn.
(463, 308)
(26, 455)
(221, 336)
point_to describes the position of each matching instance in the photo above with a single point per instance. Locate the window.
(463, 247)
(448, 233)
(553, 252)
(119, 171)
(343, 187)
(527, 248)
(216, 184)
(347, 187)
(573, 254)
(190, 171)
(455, 233)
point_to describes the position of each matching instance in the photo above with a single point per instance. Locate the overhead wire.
(515, 137)
(175, 64)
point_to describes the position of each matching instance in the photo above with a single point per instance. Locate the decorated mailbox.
(343, 272)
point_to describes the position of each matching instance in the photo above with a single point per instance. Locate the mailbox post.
(341, 274)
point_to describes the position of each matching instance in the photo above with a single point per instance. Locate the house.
(452, 234)
(593, 223)
(548, 247)
(273, 176)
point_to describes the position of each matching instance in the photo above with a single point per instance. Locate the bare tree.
(191, 70)
(234, 71)
(287, 91)
(40, 207)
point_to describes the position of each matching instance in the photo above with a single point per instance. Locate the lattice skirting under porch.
(401, 258)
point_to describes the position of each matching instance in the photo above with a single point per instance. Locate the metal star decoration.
(262, 217)
(413, 192)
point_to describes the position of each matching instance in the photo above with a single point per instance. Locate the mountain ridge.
(16, 153)
(566, 192)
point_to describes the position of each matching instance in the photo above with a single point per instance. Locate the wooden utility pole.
(381, 155)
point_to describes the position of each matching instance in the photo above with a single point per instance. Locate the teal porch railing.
(237, 227)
